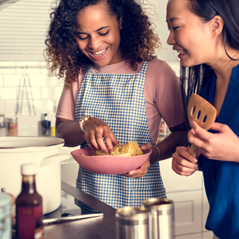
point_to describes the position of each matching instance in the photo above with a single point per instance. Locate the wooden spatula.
(203, 113)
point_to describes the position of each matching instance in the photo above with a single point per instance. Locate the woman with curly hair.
(115, 91)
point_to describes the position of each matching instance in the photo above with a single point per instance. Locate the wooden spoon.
(203, 113)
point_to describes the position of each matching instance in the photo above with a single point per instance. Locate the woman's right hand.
(95, 131)
(183, 162)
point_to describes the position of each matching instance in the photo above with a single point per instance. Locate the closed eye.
(175, 28)
(103, 33)
(84, 36)
(81, 36)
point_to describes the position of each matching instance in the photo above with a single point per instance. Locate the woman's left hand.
(223, 145)
(140, 172)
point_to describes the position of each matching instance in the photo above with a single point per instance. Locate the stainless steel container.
(161, 224)
(132, 223)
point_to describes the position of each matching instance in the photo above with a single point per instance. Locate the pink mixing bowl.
(107, 164)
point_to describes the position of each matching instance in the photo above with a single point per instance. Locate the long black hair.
(193, 77)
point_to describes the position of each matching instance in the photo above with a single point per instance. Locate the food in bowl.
(130, 149)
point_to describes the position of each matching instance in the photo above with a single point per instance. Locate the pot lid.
(26, 142)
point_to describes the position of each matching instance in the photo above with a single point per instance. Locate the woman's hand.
(141, 171)
(223, 145)
(183, 162)
(95, 131)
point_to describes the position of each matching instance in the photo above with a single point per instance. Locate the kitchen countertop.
(90, 228)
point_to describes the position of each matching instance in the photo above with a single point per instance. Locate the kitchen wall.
(27, 91)
(39, 94)
(23, 28)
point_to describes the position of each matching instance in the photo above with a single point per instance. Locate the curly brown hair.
(138, 41)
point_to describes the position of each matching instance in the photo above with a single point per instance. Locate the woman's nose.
(171, 39)
(94, 42)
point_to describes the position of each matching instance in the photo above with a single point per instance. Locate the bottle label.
(12, 129)
(29, 222)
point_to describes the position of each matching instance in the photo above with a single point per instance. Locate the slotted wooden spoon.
(203, 113)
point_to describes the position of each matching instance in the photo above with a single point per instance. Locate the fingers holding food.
(98, 135)
(129, 149)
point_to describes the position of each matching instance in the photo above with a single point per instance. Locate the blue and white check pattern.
(118, 100)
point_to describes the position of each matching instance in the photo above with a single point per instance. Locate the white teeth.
(99, 53)
(181, 51)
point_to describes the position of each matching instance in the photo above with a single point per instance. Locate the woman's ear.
(217, 25)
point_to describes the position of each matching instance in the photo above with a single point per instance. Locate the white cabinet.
(69, 168)
(191, 236)
(190, 202)
(188, 213)
(207, 235)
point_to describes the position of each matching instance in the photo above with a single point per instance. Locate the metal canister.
(161, 224)
(5, 216)
(132, 223)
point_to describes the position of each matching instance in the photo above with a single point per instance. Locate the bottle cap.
(28, 169)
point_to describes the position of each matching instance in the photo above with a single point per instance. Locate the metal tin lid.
(165, 204)
(132, 213)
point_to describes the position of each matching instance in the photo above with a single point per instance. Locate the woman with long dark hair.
(205, 33)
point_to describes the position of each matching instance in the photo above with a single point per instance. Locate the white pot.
(42, 151)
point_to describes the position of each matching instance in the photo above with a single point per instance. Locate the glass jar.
(12, 127)
(3, 126)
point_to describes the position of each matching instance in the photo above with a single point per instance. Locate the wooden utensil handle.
(193, 150)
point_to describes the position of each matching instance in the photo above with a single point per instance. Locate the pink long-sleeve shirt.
(162, 94)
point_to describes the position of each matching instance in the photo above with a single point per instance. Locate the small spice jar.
(12, 127)
(3, 127)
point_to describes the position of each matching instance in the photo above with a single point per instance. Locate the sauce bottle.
(29, 215)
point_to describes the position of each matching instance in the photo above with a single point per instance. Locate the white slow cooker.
(42, 151)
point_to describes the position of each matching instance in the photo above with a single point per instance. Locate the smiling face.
(189, 35)
(98, 35)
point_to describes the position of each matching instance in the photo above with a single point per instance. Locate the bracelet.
(158, 152)
(83, 120)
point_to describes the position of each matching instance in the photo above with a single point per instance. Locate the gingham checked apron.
(118, 100)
